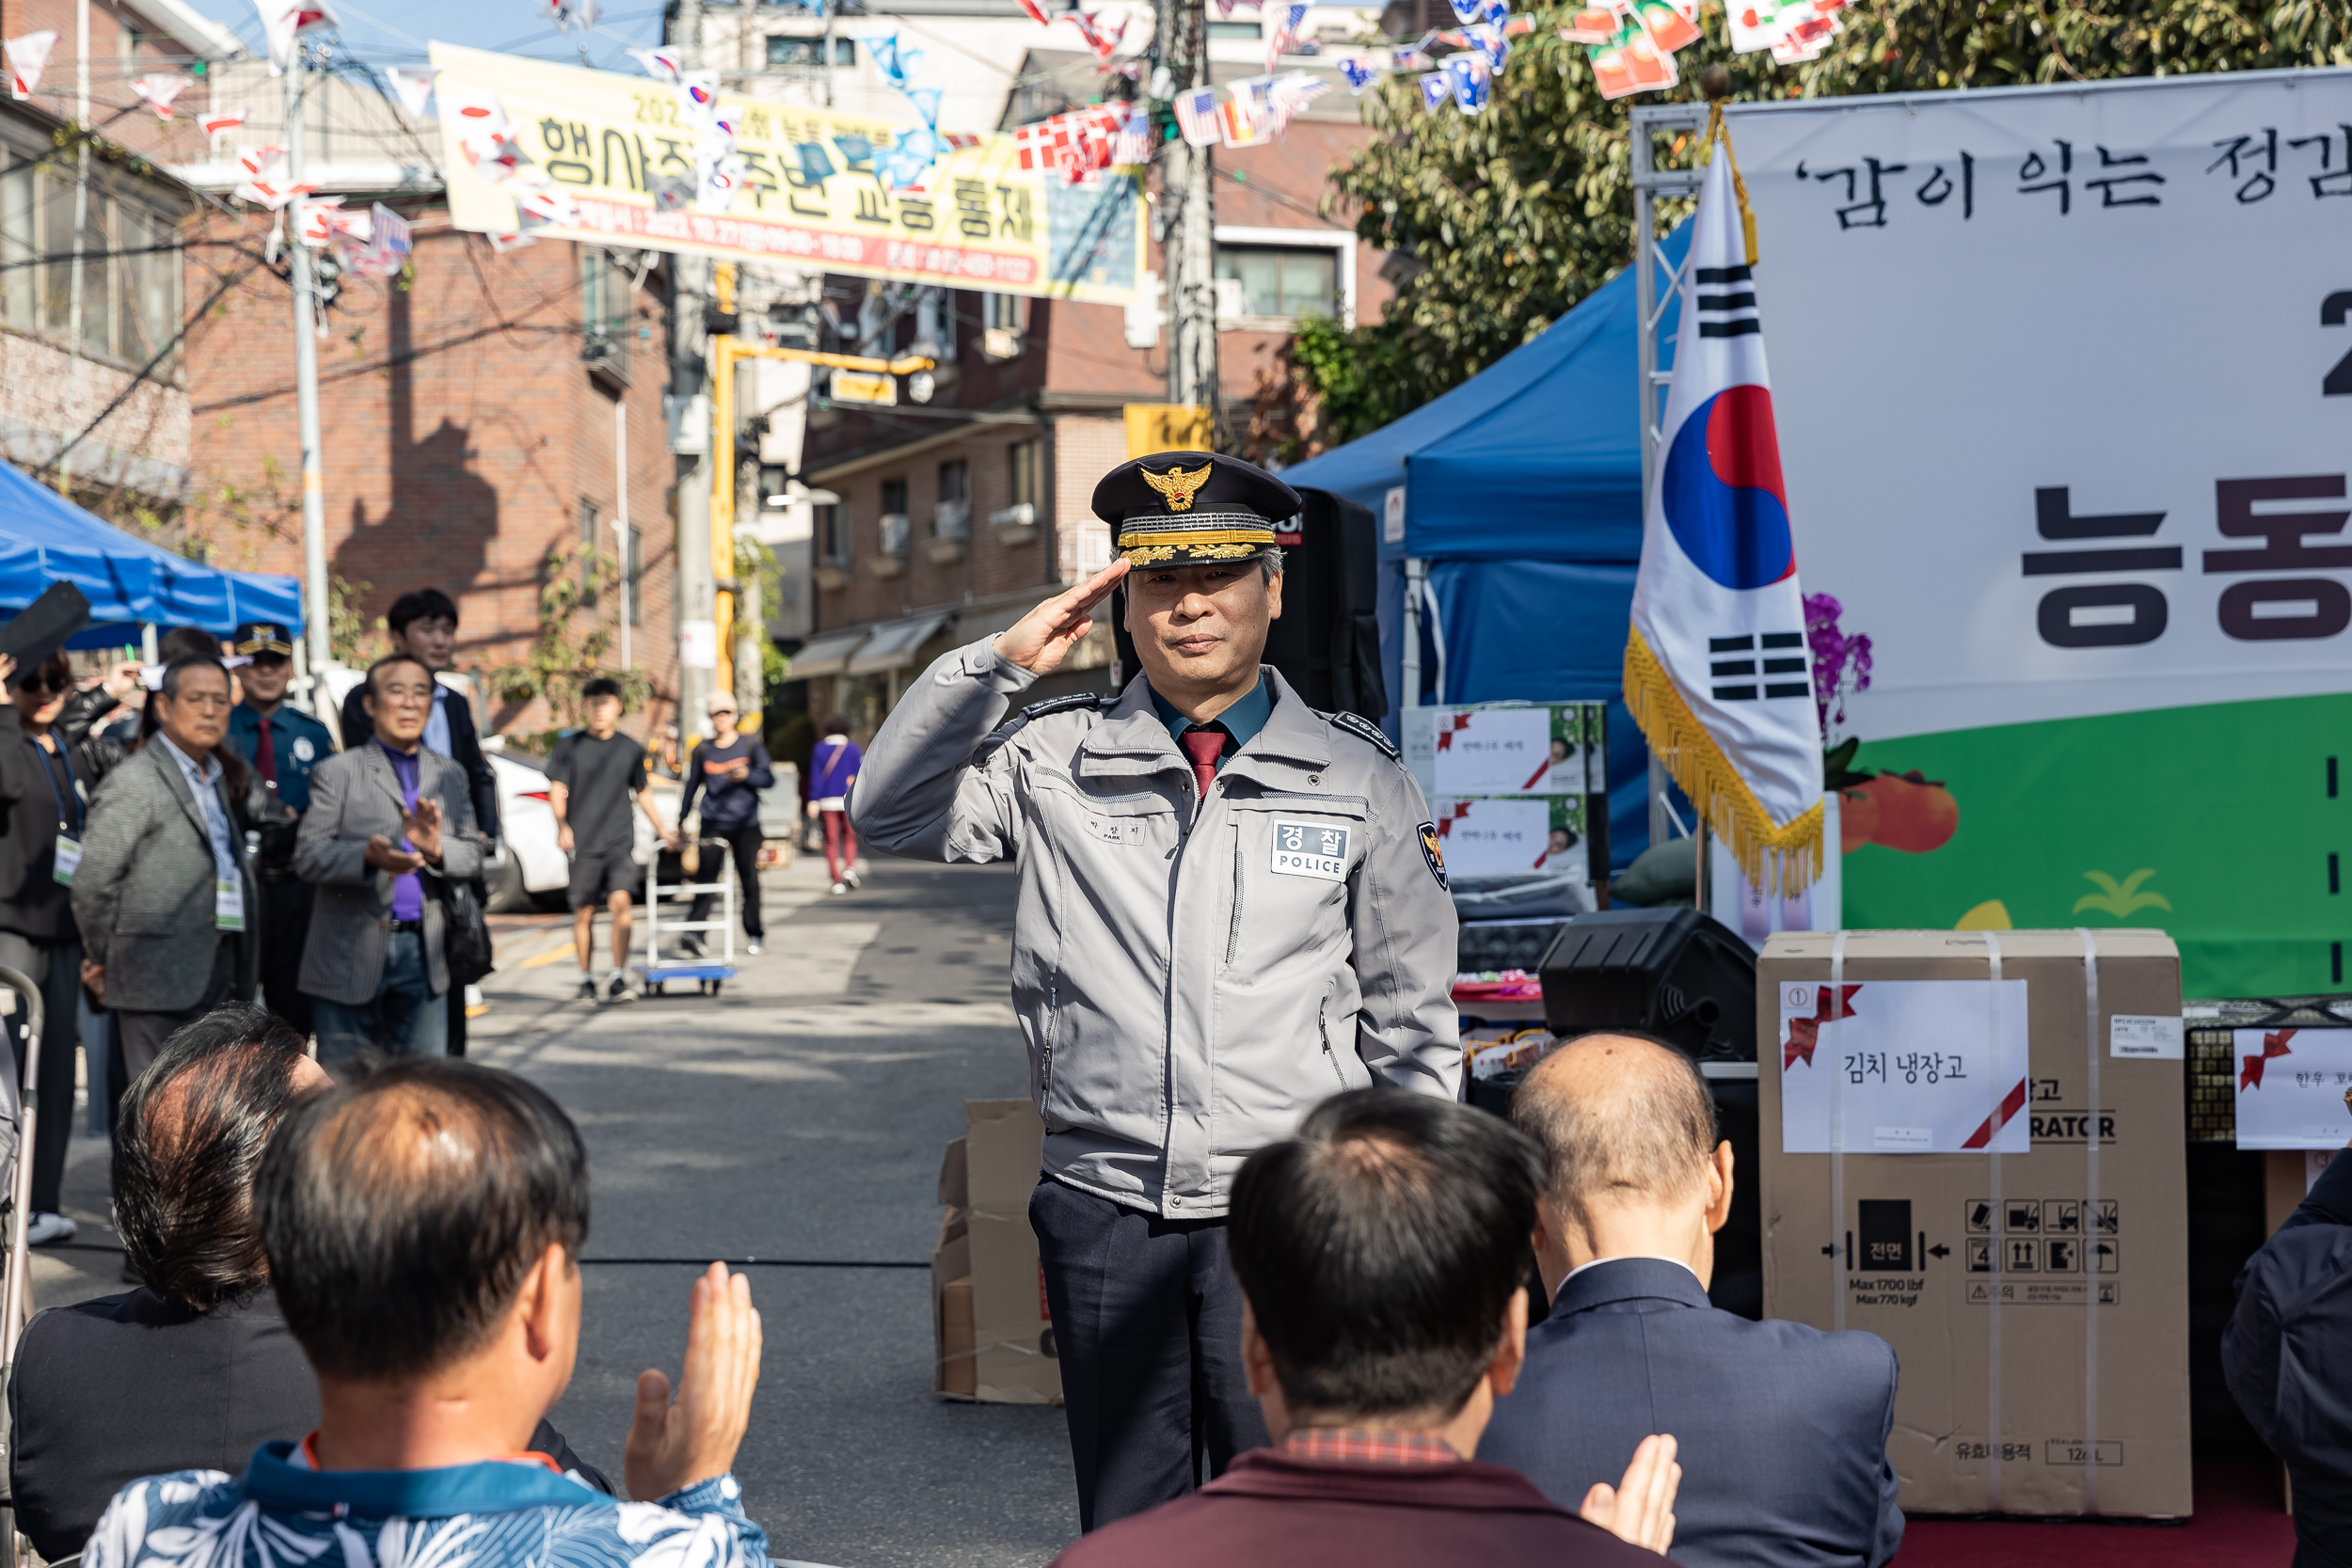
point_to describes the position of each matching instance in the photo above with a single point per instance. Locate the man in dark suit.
(195, 1370)
(2282, 1355)
(1782, 1428)
(424, 624)
(1382, 1257)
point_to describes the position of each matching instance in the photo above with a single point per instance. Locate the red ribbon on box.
(2250, 1075)
(1805, 1033)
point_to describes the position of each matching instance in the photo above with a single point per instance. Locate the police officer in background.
(283, 744)
(1232, 907)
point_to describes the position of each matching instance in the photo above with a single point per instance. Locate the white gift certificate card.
(1903, 1066)
(2291, 1084)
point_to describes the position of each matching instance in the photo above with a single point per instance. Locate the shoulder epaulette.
(1061, 704)
(1364, 728)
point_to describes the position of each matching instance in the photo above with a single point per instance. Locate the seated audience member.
(2283, 1354)
(423, 1227)
(1381, 1254)
(1783, 1427)
(193, 1370)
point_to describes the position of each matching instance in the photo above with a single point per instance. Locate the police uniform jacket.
(1191, 983)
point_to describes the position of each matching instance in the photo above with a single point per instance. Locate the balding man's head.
(1622, 1118)
(402, 1212)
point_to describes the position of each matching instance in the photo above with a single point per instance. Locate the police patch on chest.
(303, 749)
(1311, 850)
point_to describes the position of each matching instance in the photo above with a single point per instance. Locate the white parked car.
(531, 870)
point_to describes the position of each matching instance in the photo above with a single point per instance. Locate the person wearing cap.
(283, 744)
(728, 771)
(1232, 907)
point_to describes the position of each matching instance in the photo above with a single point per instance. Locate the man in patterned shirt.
(424, 1228)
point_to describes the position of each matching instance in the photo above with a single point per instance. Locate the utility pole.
(690, 380)
(315, 607)
(1188, 205)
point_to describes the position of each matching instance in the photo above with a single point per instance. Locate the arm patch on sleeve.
(1431, 852)
(1364, 728)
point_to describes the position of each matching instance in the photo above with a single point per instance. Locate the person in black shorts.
(594, 773)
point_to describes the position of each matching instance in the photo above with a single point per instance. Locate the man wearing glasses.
(390, 823)
(283, 744)
(163, 896)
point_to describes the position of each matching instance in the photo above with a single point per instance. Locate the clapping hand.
(1040, 641)
(381, 854)
(424, 826)
(1639, 1511)
(672, 1447)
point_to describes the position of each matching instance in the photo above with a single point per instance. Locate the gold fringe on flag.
(1779, 861)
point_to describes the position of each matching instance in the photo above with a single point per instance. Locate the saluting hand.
(1040, 641)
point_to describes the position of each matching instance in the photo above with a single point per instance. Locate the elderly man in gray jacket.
(1232, 907)
(162, 891)
(391, 825)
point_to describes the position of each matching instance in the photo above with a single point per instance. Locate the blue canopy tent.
(129, 583)
(1522, 496)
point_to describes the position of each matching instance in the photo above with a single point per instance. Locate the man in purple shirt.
(391, 825)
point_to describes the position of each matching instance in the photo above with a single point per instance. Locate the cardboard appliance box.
(994, 1337)
(2042, 1328)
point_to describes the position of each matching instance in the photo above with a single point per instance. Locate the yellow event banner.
(814, 191)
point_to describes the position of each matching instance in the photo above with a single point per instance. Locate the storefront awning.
(894, 642)
(827, 654)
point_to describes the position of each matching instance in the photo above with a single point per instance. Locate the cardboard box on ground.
(994, 1337)
(2084, 1284)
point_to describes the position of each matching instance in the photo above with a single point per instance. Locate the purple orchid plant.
(1841, 663)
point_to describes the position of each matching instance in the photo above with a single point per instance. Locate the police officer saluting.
(282, 743)
(1232, 908)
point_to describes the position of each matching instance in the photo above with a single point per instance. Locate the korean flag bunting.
(1716, 669)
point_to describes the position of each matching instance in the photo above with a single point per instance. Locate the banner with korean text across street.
(816, 185)
(2064, 380)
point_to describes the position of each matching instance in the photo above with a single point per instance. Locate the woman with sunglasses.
(44, 785)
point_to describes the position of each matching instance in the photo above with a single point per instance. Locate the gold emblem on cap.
(1177, 486)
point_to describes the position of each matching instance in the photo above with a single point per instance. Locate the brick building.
(939, 524)
(470, 429)
(79, 323)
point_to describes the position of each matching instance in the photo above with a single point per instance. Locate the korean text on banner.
(816, 187)
(1916, 1066)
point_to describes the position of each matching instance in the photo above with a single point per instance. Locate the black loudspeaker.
(1328, 642)
(1673, 972)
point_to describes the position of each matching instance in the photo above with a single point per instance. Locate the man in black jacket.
(195, 1370)
(2282, 1355)
(424, 624)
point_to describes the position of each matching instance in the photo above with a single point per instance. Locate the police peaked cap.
(1193, 507)
(262, 636)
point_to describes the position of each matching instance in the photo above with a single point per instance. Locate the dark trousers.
(1147, 1325)
(285, 927)
(140, 1035)
(57, 969)
(743, 850)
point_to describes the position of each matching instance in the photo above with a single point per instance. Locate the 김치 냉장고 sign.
(813, 191)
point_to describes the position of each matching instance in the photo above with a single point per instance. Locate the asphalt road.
(797, 1118)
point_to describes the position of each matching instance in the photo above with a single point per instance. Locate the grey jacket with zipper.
(1192, 976)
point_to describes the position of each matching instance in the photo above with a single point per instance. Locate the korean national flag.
(1716, 671)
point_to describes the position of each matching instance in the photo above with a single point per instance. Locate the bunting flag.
(28, 58)
(1196, 115)
(266, 183)
(1133, 144)
(1472, 81)
(1359, 75)
(1282, 26)
(501, 244)
(412, 85)
(1491, 41)
(1716, 669)
(1290, 93)
(1038, 145)
(157, 88)
(662, 64)
(285, 22)
(1105, 44)
(1435, 88)
(1247, 116)
(697, 95)
(214, 125)
(388, 242)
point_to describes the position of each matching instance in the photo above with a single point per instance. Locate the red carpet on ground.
(2238, 1524)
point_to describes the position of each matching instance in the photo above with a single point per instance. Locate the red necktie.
(1204, 747)
(266, 752)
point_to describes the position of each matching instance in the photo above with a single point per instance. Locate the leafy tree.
(1516, 215)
